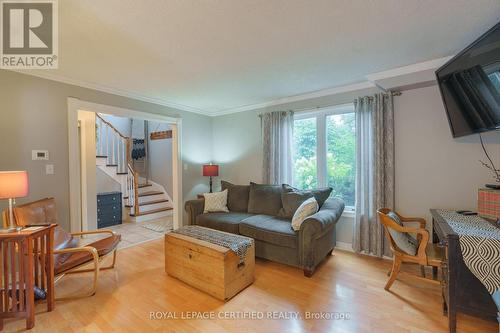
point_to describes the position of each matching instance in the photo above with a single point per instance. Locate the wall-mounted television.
(470, 86)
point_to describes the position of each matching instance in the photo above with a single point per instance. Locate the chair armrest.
(194, 208)
(90, 249)
(422, 222)
(325, 218)
(422, 236)
(101, 231)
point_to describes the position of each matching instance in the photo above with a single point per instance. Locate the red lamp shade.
(210, 170)
(13, 184)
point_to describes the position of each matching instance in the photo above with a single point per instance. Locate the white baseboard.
(344, 246)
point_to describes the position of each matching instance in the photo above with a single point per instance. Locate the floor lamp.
(13, 184)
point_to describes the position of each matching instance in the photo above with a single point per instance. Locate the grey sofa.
(254, 213)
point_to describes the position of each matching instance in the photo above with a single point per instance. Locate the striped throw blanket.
(238, 244)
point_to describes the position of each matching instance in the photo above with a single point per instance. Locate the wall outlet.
(49, 169)
(185, 166)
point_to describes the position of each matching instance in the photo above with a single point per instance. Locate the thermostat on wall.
(39, 155)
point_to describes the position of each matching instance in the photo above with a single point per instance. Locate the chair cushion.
(237, 196)
(75, 259)
(222, 221)
(270, 229)
(320, 194)
(403, 240)
(63, 240)
(37, 212)
(264, 199)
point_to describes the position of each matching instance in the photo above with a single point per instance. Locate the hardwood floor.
(345, 283)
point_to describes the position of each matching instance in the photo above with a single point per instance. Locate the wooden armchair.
(426, 254)
(69, 257)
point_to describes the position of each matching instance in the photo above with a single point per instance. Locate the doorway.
(108, 163)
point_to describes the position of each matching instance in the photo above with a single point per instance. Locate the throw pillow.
(306, 209)
(215, 202)
(291, 201)
(264, 199)
(320, 194)
(402, 239)
(237, 196)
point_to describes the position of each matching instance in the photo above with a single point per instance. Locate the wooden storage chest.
(211, 268)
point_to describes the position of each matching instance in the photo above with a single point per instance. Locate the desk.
(461, 290)
(26, 261)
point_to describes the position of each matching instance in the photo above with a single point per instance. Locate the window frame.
(321, 139)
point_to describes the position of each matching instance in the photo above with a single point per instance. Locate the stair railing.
(118, 150)
(133, 190)
(113, 144)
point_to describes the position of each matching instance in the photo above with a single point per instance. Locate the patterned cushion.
(215, 202)
(402, 239)
(306, 209)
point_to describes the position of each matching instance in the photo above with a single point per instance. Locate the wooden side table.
(26, 261)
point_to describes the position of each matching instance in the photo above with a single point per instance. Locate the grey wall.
(33, 115)
(105, 183)
(160, 158)
(433, 170)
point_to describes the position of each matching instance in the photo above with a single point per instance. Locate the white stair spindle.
(101, 148)
(106, 142)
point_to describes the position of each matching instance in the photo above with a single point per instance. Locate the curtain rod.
(317, 108)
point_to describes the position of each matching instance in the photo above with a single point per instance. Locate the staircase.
(143, 200)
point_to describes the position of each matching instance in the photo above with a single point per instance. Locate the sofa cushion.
(237, 196)
(215, 202)
(264, 199)
(306, 209)
(270, 229)
(222, 221)
(291, 201)
(320, 194)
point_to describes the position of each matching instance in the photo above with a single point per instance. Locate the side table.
(26, 261)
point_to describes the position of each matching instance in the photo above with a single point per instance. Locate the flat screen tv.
(470, 86)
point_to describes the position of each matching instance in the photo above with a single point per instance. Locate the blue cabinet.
(109, 209)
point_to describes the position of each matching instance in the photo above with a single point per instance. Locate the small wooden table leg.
(50, 270)
(30, 297)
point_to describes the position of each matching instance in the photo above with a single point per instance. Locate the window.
(325, 151)
(305, 173)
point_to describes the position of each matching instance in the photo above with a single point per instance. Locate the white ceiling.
(215, 56)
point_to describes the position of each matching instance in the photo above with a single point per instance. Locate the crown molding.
(297, 98)
(114, 91)
(407, 70)
(393, 78)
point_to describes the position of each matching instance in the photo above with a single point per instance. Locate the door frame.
(76, 200)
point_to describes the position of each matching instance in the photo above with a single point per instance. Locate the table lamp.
(13, 184)
(210, 170)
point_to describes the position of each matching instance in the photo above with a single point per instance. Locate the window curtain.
(277, 139)
(374, 171)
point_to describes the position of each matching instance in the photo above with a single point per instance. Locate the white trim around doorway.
(75, 187)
